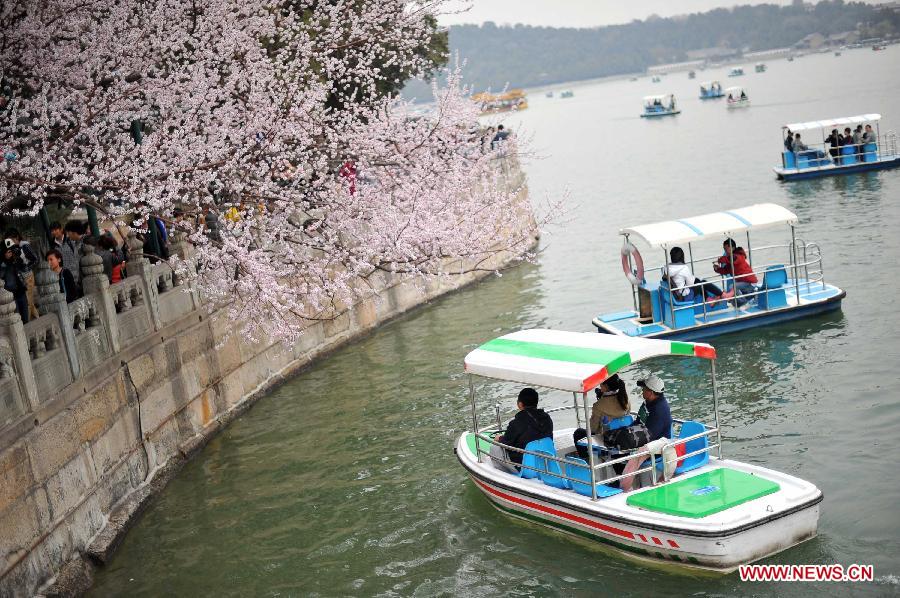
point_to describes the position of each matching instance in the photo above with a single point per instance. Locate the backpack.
(627, 438)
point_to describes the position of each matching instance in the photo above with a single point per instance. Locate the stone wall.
(102, 399)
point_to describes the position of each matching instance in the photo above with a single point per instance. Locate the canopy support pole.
(671, 293)
(749, 251)
(794, 256)
(577, 413)
(474, 417)
(733, 278)
(715, 388)
(590, 448)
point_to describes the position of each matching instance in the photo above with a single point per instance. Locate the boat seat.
(541, 445)
(551, 476)
(773, 294)
(848, 154)
(690, 428)
(683, 317)
(788, 158)
(870, 152)
(580, 470)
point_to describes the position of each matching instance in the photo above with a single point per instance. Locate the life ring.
(634, 277)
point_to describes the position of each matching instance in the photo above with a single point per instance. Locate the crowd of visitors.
(856, 138)
(66, 248)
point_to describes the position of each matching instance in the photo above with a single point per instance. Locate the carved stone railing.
(68, 341)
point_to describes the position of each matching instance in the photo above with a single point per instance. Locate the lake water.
(344, 482)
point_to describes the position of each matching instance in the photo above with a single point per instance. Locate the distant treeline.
(523, 55)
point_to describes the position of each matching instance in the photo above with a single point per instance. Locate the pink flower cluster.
(267, 114)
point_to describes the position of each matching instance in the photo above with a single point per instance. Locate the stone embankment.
(102, 399)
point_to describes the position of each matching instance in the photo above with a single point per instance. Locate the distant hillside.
(527, 56)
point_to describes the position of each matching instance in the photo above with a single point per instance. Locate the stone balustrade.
(40, 359)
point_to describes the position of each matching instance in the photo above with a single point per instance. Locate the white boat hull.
(719, 542)
(739, 104)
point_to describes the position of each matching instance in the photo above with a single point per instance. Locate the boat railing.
(822, 155)
(655, 459)
(808, 263)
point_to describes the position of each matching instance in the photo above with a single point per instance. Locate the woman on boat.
(612, 402)
(682, 280)
(743, 271)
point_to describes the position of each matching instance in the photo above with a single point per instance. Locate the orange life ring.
(637, 276)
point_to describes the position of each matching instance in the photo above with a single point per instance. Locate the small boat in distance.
(737, 98)
(779, 289)
(656, 79)
(877, 48)
(736, 72)
(710, 90)
(567, 94)
(837, 53)
(790, 59)
(660, 105)
(514, 99)
(688, 506)
(818, 159)
(549, 94)
(692, 75)
(761, 67)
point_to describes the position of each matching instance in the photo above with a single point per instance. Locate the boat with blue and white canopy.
(711, 90)
(660, 105)
(825, 159)
(790, 279)
(687, 505)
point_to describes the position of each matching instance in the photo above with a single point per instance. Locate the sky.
(581, 13)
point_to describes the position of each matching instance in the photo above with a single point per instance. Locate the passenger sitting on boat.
(869, 135)
(530, 423)
(799, 146)
(656, 416)
(743, 272)
(743, 95)
(682, 280)
(789, 141)
(858, 135)
(834, 140)
(612, 402)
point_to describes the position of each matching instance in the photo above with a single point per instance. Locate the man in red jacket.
(743, 272)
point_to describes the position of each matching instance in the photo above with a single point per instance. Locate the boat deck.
(814, 298)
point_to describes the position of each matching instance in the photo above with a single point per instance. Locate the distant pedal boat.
(699, 510)
(786, 289)
(737, 97)
(823, 159)
(660, 105)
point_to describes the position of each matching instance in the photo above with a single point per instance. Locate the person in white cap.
(658, 422)
(659, 418)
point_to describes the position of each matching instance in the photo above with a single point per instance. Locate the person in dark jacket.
(12, 272)
(67, 284)
(789, 141)
(658, 416)
(834, 141)
(530, 423)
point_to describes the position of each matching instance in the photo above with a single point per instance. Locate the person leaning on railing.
(530, 423)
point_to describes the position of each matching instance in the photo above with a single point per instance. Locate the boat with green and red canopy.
(691, 506)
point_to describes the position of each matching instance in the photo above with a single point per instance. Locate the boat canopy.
(718, 224)
(661, 98)
(834, 122)
(709, 83)
(571, 361)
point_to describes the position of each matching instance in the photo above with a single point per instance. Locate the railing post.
(138, 265)
(53, 301)
(12, 328)
(94, 282)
